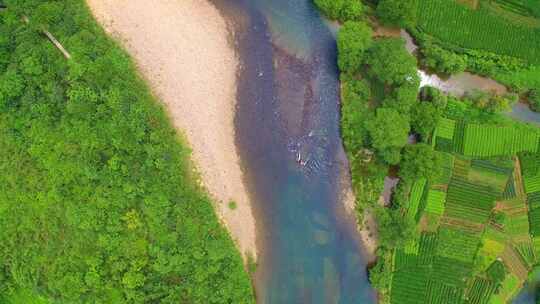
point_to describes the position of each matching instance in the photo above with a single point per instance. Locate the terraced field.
(460, 26)
(486, 236)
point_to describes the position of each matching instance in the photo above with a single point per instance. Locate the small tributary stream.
(465, 82)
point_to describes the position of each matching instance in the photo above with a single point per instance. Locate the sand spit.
(368, 228)
(182, 49)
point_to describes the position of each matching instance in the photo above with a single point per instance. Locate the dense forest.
(98, 199)
(440, 145)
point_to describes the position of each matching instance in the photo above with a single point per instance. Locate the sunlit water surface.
(288, 136)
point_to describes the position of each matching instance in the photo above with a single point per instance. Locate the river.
(287, 126)
(288, 135)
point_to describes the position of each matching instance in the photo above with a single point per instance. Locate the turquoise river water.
(287, 126)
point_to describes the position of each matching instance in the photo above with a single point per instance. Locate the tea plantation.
(479, 222)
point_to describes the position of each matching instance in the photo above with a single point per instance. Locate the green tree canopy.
(353, 39)
(342, 10)
(389, 132)
(401, 13)
(98, 203)
(424, 118)
(442, 61)
(490, 102)
(435, 96)
(419, 161)
(402, 98)
(534, 100)
(355, 94)
(391, 63)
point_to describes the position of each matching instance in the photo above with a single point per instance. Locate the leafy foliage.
(402, 13)
(478, 29)
(353, 40)
(442, 60)
(342, 10)
(389, 132)
(425, 117)
(492, 140)
(97, 196)
(398, 71)
(534, 100)
(420, 161)
(354, 109)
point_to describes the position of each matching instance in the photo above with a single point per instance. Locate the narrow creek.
(465, 82)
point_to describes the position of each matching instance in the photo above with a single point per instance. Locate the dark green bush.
(353, 39)
(341, 10)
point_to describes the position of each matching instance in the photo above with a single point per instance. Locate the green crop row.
(446, 128)
(409, 286)
(522, 7)
(468, 213)
(490, 140)
(462, 166)
(532, 183)
(459, 136)
(481, 290)
(435, 202)
(428, 246)
(526, 251)
(440, 293)
(477, 29)
(510, 189)
(417, 192)
(502, 167)
(447, 166)
(451, 271)
(517, 225)
(403, 260)
(533, 199)
(530, 164)
(534, 220)
(469, 201)
(457, 244)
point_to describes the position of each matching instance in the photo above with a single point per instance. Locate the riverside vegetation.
(462, 226)
(98, 199)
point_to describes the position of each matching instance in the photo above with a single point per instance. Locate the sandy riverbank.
(182, 49)
(368, 229)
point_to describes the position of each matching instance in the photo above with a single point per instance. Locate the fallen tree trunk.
(50, 36)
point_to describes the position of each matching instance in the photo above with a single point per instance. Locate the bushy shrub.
(341, 10)
(419, 161)
(389, 132)
(424, 118)
(353, 39)
(390, 62)
(401, 13)
(442, 61)
(534, 100)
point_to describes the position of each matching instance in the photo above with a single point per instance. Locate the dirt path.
(181, 47)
